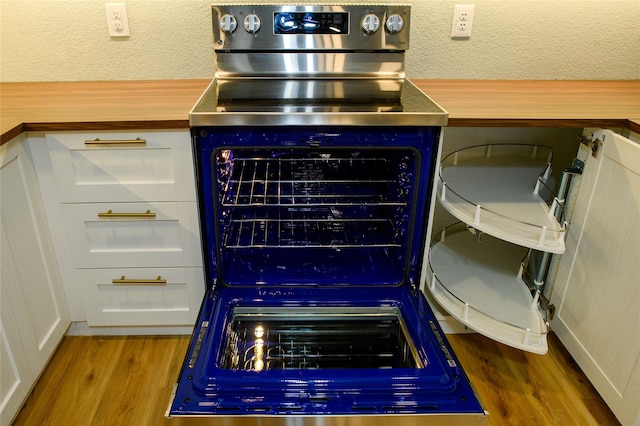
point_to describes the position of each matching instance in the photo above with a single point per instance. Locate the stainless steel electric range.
(315, 160)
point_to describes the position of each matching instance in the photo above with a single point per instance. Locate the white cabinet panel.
(34, 310)
(142, 296)
(113, 235)
(596, 290)
(16, 377)
(160, 169)
(24, 224)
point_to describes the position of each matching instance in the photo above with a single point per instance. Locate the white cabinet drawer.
(104, 235)
(141, 296)
(122, 166)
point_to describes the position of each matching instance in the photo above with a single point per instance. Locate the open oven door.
(317, 354)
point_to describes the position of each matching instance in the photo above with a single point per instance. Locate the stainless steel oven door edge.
(479, 419)
(359, 420)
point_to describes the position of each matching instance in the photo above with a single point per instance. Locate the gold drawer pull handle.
(110, 214)
(98, 141)
(124, 281)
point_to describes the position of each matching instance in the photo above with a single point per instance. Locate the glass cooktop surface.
(271, 101)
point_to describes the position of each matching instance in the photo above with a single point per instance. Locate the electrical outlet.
(462, 21)
(117, 20)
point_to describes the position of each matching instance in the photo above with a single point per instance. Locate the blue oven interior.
(313, 241)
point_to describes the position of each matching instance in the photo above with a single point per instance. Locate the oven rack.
(311, 233)
(311, 202)
(311, 182)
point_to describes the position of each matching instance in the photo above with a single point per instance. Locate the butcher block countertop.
(166, 104)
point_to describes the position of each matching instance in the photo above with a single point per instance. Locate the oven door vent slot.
(198, 345)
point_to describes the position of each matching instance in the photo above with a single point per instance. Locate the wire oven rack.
(322, 201)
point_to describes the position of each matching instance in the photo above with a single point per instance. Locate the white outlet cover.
(117, 21)
(462, 21)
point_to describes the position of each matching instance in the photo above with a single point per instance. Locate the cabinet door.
(30, 278)
(596, 288)
(16, 377)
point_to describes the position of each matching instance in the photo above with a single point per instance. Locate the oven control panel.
(311, 27)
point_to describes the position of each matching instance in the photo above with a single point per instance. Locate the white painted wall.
(67, 40)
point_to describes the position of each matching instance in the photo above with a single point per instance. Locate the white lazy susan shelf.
(481, 284)
(501, 190)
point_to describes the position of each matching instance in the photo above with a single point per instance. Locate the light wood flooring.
(128, 380)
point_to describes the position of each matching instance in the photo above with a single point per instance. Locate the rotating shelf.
(481, 284)
(501, 190)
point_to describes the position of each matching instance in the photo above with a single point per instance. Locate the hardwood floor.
(106, 381)
(521, 388)
(128, 380)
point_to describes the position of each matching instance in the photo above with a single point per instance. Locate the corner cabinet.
(597, 280)
(129, 239)
(34, 314)
(591, 291)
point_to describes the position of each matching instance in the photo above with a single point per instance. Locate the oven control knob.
(228, 23)
(370, 23)
(394, 23)
(252, 23)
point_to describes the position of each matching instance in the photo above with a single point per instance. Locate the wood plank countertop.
(537, 103)
(97, 105)
(112, 105)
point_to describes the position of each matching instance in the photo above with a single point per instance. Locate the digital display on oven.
(311, 23)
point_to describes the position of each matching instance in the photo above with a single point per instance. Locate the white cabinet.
(34, 313)
(593, 285)
(131, 239)
(597, 285)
